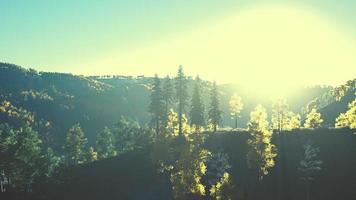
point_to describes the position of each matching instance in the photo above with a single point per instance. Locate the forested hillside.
(57, 101)
(73, 137)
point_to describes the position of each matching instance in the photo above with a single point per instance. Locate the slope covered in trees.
(55, 127)
(57, 101)
(134, 176)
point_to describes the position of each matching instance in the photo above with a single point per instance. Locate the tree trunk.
(180, 119)
(166, 114)
(157, 127)
(236, 121)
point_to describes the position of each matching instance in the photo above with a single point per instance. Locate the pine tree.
(105, 144)
(280, 115)
(310, 165)
(121, 135)
(168, 97)
(347, 119)
(181, 96)
(223, 189)
(51, 163)
(313, 120)
(129, 136)
(75, 145)
(197, 107)
(340, 91)
(27, 155)
(236, 106)
(215, 113)
(294, 121)
(156, 107)
(282, 118)
(187, 171)
(172, 123)
(261, 152)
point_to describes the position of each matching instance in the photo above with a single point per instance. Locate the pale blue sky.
(66, 35)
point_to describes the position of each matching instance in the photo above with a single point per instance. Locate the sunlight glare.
(261, 48)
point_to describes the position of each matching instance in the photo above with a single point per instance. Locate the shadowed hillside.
(133, 175)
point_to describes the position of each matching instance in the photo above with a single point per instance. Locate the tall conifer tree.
(157, 105)
(105, 144)
(215, 113)
(75, 145)
(197, 107)
(168, 97)
(236, 106)
(181, 96)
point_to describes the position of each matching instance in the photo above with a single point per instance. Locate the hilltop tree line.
(172, 94)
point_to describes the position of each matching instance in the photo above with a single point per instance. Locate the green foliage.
(51, 163)
(188, 169)
(156, 107)
(341, 90)
(215, 114)
(183, 157)
(313, 120)
(282, 118)
(168, 97)
(172, 127)
(236, 106)
(347, 119)
(21, 151)
(105, 144)
(32, 94)
(129, 136)
(280, 115)
(181, 89)
(18, 116)
(313, 104)
(197, 107)
(261, 152)
(310, 164)
(75, 145)
(223, 189)
(91, 155)
(294, 121)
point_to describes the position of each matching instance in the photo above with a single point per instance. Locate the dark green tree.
(28, 153)
(130, 136)
(75, 145)
(181, 96)
(121, 134)
(105, 144)
(156, 107)
(168, 97)
(21, 151)
(197, 107)
(51, 163)
(310, 165)
(215, 113)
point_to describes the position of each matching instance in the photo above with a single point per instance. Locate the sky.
(247, 42)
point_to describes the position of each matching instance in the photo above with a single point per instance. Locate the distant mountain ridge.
(95, 102)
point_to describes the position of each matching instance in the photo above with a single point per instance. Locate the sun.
(269, 48)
